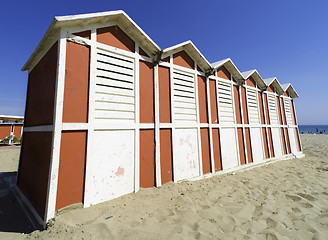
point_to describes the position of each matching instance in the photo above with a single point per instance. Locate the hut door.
(113, 155)
(256, 142)
(276, 141)
(292, 139)
(228, 148)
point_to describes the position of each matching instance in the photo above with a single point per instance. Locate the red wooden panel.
(287, 140)
(261, 107)
(244, 104)
(146, 91)
(266, 109)
(18, 131)
(237, 104)
(270, 142)
(84, 34)
(164, 95)
(279, 110)
(76, 93)
(250, 82)
(283, 140)
(283, 111)
(265, 141)
(183, 59)
(205, 150)
(213, 102)
(147, 158)
(5, 131)
(202, 99)
(166, 155)
(71, 168)
(248, 145)
(217, 149)
(222, 72)
(40, 98)
(115, 37)
(241, 146)
(34, 165)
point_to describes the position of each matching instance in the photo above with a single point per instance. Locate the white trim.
(157, 132)
(58, 116)
(137, 120)
(90, 125)
(199, 137)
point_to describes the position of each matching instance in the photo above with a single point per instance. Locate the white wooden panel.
(272, 109)
(114, 98)
(292, 140)
(184, 96)
(276, 142)
(115, 88)
(224, 93)
(256, 142)
(253, 110)
(113, 165)
(185, 159)
(288, 111)
(228, 148)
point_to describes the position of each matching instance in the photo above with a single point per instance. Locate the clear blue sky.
(285, 39)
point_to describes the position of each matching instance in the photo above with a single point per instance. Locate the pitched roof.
(289, 88)
(256, 76)
(228, 64)
(93, 18)
(193, 52)
(276, 84)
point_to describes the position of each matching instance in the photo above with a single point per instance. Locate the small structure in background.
(10, 127)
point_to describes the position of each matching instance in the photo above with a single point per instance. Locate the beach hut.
(10, 126)
(109, 112)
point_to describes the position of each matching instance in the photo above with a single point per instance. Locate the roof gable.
(192, 51)
(256, 76)
(275, 83)
(94, 19)
(230, 66)
(288, 87)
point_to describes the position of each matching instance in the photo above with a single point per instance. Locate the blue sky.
(285, 39)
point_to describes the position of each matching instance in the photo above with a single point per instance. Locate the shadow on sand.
(13, 217)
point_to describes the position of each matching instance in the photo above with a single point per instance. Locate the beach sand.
(284, 200)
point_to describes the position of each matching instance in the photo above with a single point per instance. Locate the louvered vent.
(184, 96)
(272, 109)
(288, 109)
(114, 91)
(226, 112)
(253, 109)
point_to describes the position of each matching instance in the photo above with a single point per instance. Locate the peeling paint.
(120, 172)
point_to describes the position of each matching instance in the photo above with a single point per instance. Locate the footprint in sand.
(296, 210)
(294, 198)
(227, 224)
(307, 196)
(270, 236)
(271, 223)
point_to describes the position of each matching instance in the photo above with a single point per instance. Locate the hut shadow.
(13, 218)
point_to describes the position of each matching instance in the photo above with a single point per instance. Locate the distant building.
(10, 126)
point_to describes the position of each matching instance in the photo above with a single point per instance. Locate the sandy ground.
(283, 200)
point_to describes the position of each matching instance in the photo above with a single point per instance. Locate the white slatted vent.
(114, 91)
(289, 111)
(272, 109)
(226, 112)
(184, 96)
(253, 110)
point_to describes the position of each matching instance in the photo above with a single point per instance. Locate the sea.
(313, 129)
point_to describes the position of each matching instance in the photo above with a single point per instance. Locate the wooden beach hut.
(109, 112)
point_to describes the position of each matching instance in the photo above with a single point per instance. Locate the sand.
(283, 200)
